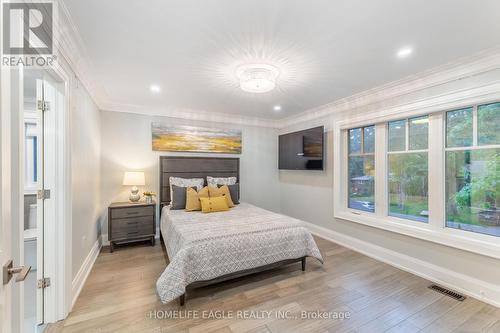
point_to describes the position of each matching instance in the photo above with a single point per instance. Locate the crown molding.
(456, 99)
(189, 114)
(482, 62)
(69, 44)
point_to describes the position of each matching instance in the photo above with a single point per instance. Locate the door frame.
(57, 240)
(57, 259)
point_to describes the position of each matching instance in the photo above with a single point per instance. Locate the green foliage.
(483, 189)
(408, 183)
(488, 122)
(459, 128)
(409, 172)
(462, 198)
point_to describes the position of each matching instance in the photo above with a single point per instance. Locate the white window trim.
(434, 231)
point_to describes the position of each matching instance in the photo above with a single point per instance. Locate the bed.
(205, 249)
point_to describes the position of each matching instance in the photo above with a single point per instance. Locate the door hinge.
(43, 194)
(43, 105)
(43, 283)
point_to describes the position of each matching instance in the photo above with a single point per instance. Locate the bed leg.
(303, 264)
(182, 299)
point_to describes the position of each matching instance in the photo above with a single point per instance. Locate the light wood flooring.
(120, 295)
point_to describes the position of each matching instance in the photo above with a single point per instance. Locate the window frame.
(435, 230)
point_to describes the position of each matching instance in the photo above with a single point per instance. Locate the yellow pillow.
(193, 198)
(216, 204)
(222, 191)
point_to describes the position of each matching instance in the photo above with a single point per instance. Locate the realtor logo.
(27, 33)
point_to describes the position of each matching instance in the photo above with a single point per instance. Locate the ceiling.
(325, 49)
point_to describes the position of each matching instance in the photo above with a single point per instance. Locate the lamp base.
(134, 194)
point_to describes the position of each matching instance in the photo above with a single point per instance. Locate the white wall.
(85, 174)
(308, 195)
(126, 145)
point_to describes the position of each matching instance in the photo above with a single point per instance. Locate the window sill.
(471, 242)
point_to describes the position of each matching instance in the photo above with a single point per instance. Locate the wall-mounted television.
(302, 150)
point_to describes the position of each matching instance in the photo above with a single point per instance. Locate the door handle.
(9, 271)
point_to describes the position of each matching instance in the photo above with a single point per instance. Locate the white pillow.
(186, 182)
(214, 181)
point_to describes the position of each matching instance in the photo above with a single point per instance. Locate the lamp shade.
(134, 178)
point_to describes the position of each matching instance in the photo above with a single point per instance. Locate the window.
(434, 177)
(488, 123)
(459, 128)
(408, 168)
(31, 155)
(362, 168)
(473, 169)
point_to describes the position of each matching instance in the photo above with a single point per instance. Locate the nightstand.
(131, 222)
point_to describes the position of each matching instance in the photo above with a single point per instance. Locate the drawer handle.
(132, 232)
(133, 222)
(132, 213)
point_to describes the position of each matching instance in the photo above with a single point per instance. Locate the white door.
(47, 94)
(17, 295)
(38, 164)
(5, 252)
(10, 201)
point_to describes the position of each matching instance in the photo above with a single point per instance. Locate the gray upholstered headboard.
(194, 167)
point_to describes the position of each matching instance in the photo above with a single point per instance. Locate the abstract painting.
(195, 139)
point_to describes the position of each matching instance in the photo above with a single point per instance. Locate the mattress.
(206, 246)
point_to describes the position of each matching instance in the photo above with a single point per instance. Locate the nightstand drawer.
(132, 233)
(133, 223)
(119, 213)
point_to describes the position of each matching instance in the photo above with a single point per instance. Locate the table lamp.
(134, 179)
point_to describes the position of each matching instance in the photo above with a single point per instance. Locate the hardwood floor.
(120, 296)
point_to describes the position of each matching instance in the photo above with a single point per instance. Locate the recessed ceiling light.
(257, 78)
(155, 88)
(404, 52)
(277, 108)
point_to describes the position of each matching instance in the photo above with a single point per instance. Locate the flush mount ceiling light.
(277, 108)
(257, 78)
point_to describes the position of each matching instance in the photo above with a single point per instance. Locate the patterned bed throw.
(206, 246)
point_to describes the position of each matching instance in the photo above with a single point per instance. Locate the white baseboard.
(84, 271)
(41, 328)
(484, 291)
(104, 240)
